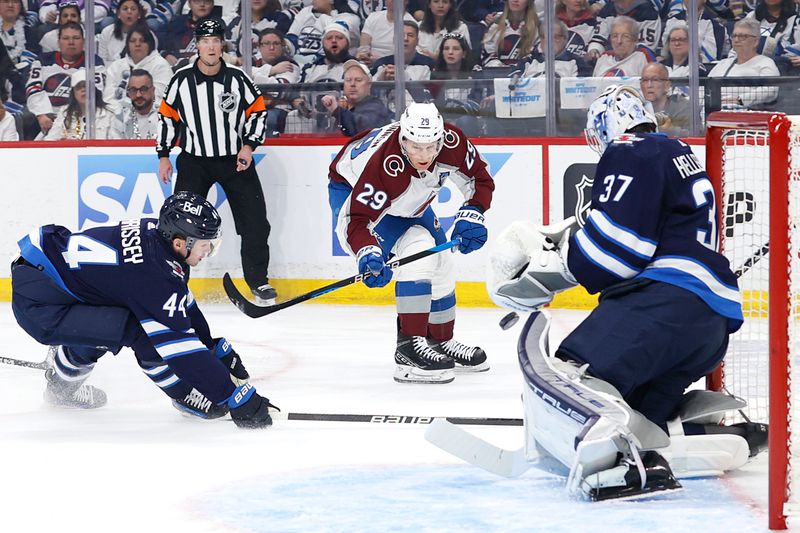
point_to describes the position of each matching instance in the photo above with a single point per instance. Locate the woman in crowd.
(676, 56)
(140, 53)
(265, 14)
(440, 17)
(512, 36)
(70, 123)
(460, 105)
(776, 18)
(8, 126)
(12, 28)
(746, 63)
(111, 41)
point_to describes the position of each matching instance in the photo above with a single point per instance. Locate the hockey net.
(753, 159)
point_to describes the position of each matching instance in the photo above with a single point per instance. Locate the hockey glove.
(469, 229)
(228, 357)
(370, 259)
(248, 409)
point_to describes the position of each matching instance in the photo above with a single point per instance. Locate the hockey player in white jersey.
(609, 403)
(382, 185)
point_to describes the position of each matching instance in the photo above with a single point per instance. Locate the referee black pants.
(246, 198)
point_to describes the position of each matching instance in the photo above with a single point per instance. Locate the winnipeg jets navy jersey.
(654, 216)
(126, 265)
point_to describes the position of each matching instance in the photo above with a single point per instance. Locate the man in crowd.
(139, 120)
(672, 110)
(357, 110)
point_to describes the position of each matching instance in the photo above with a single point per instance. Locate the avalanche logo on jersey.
(393, 165)
(451, 139)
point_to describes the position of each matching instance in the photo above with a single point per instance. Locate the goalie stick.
(22, 362)
(257, 311)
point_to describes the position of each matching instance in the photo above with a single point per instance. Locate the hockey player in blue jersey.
(97, 291)
(668, 302)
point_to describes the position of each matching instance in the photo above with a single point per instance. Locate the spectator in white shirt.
(8, 126)
(624, 58)
(111, 41)
(747, 63)
(439, 18)
(377, 35)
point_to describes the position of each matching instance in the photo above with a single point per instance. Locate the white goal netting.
(759, 349)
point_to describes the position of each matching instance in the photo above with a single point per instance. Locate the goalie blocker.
(611, 450)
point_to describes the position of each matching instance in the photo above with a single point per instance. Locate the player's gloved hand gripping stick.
(256, 311)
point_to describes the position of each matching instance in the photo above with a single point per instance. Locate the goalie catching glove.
(528, 265)
(469, 229)
(370, 259)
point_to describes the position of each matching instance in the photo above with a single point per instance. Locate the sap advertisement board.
(88, 186)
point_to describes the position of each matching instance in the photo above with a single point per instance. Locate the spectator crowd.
(344, 46)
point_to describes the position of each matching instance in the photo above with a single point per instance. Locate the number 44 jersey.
(127, 265)
(654, 216)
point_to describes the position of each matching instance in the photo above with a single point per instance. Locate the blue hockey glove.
(370, 259)
(469, 229)
(248, 409)
(228, 357)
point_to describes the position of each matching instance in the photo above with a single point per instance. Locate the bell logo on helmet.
(196, 210)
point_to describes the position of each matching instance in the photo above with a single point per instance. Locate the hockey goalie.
(610, 402)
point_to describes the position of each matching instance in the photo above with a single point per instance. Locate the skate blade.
(467, 369)
(407, 374)
(640, 494)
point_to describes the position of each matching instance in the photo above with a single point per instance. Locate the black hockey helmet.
(190, 216)
(209, 26)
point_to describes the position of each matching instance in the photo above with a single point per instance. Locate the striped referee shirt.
(211, 116)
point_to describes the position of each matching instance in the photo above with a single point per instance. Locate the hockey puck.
(509, 320)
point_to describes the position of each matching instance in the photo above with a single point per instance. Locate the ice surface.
(138, 465)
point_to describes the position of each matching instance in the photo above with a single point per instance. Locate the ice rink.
(138, 465)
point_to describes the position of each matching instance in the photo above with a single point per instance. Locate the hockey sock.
(72, 365)
(442, 318)
(413, 306)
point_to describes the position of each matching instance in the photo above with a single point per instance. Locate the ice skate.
(63, 393)
(466, 358)
(624, 481)
(195, 404)
(419, 363)
(265, 294)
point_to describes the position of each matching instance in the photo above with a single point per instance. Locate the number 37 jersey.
(127, 265)
(654, 216)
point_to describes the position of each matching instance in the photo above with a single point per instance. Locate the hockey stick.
(476, 451)
(752, 260)
(395, 419)
(256, 311)
(22, 362)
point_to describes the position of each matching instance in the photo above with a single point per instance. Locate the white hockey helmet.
(422, 123)
(617, 109)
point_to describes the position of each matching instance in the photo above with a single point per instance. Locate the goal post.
(753, 160)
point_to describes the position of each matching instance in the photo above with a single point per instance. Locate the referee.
(219, 118)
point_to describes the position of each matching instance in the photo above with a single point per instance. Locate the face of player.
(439, 8)
(201, 250)
(356, 85)
(271, 47)
(452, 52)
(138, 48)
(128, 13)
(70, 44)
(420, 155)
(209, 48)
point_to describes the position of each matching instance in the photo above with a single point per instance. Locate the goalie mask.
(421, 130)
(618, 109)
(189, 216)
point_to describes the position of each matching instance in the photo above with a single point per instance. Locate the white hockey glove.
(527, 268)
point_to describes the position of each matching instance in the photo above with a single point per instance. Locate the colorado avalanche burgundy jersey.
(384, 183)
(654, 216)
(127, 265)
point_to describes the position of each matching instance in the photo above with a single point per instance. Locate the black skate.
(196, 404)
(624, 481)
(74, 394)
(467, 358)
(419, 363)
(756, 435)
(265, 294)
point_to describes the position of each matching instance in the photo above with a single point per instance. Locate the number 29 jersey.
(653, 215)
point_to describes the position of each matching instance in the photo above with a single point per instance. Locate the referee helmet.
(209, 26)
